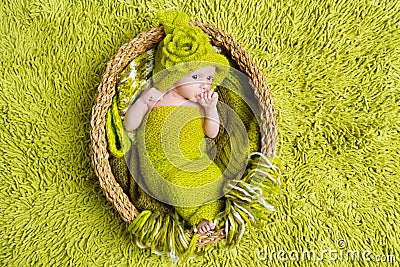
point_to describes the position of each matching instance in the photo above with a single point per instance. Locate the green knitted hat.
(184, 49)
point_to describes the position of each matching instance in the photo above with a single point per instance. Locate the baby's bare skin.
(204, 226)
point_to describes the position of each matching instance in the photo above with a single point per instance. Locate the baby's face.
(192, 85)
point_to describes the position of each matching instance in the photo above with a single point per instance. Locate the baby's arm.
(136, 112)
(208, 101)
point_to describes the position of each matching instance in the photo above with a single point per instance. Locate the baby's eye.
(210, 78)
(195, 76)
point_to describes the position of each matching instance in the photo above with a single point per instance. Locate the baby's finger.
(202, 101)
(209, 95)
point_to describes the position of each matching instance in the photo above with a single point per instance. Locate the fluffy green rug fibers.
(333, 67)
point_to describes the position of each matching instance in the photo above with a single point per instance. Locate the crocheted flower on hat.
(184, 49)
(185, 44)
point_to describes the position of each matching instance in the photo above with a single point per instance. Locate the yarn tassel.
(225, 212)
(154, 232)
(149, 228)
(240, 227)
(231, 233)
(181, 239)
(134, 227)
(158, 246)
(164, 237)
(155, 237)
(246, 218)
(192, 247)
(247, 202)
(248, 199)
(180, 245)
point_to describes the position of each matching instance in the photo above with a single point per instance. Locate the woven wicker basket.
(107, 88)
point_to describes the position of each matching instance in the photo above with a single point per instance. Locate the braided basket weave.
(107, 89)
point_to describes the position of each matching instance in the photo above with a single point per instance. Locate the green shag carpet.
(333, 67)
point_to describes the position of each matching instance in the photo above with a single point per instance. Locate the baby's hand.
(208, 99)
(151, 95)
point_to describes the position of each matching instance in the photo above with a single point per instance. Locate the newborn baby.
(172, 119)
(190, 94)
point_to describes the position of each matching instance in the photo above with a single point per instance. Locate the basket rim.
(107, 89)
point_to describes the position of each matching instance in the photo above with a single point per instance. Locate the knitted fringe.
(248, 200)
(118, 140)
(163, 234)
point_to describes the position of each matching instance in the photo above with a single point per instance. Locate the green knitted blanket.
(332, 67)
(173, 159)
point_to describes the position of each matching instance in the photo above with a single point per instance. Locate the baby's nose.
(206, 86)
